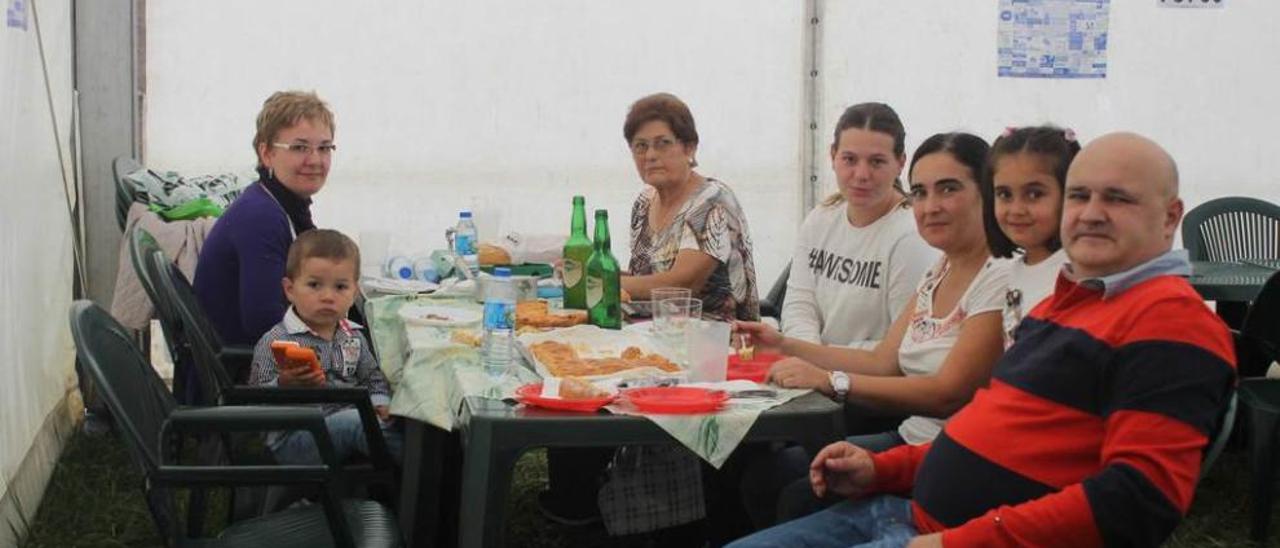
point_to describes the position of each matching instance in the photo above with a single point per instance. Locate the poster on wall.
(15, 14)
(1191, 3)
(1053, 38)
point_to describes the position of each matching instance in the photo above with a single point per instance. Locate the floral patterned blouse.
(710, 221)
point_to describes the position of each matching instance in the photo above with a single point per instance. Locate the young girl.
(1023, 186)
(858, 255)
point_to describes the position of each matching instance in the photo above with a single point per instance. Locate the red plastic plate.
(676, 399)
(754, 369)
(531, 394)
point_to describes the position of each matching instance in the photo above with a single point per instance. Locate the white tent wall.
(443, 106)
(1201, 82)
(36, 354)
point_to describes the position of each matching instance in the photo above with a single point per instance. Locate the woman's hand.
(842, 468)
(299, 374)
(760, 335)
(797, 373)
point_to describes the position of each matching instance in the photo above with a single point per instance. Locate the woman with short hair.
(687, 230)
(238, 276)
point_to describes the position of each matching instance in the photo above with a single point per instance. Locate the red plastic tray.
(531, 394)
(754, 369)
(676, 399)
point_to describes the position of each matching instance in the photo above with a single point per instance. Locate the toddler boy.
(321, 272)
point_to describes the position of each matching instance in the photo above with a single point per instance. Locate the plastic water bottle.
(399, 267)
(464, 241)
(424, 269)
(499, 323)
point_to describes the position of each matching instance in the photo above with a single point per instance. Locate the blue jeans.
(347, 434)
(881, 521)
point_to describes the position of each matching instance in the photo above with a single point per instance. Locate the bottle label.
(499, 315)
(464, 244)
(572, 272)
(595, 291)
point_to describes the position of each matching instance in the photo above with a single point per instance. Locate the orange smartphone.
(306, 356)
(278, 349)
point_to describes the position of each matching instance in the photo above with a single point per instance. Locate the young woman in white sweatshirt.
(858, 256)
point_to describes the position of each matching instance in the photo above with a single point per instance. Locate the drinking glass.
(671, 319)
(664, 293)
(660, 294)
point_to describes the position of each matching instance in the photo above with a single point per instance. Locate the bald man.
(1095, 422)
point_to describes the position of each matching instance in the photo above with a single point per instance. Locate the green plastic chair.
(1232, 229)
(1257, 345)
(149, 420)
(126, 194)
(173, 295)
(141, 246)
(219, 378)
(771, 304)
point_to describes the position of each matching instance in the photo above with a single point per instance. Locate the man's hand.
(762, 336)
(384, 412)
(797, 373)
(842, 468)
(926, 541)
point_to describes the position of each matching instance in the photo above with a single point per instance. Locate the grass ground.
(94, 500)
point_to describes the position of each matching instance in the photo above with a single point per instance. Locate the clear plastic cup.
(671, 319)
(671, 315)
(664, 293)
(708, 350)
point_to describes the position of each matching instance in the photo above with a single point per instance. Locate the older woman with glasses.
(687, 230)
(238, 276)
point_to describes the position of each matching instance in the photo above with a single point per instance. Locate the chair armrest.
(230, 475)
(359, 397)
(293, 395)
(225, 419)
(237, 359)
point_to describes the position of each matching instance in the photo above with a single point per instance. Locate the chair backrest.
(137, 397)
(1262, 324)
(126, 194)
(1231, 229)
(1263, 319)
(199, 336)
(142, 245)
(772, 304)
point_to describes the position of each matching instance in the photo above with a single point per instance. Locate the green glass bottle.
(576, 253)
(604, 279)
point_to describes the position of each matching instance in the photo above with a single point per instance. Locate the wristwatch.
(840, 384)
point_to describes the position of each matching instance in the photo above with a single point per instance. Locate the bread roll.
(573, 388)
(493, 255)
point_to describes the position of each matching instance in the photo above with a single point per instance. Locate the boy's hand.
(299, 374)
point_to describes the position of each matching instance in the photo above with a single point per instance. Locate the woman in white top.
(1023, 191)
(858, 256)
(945, 341)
